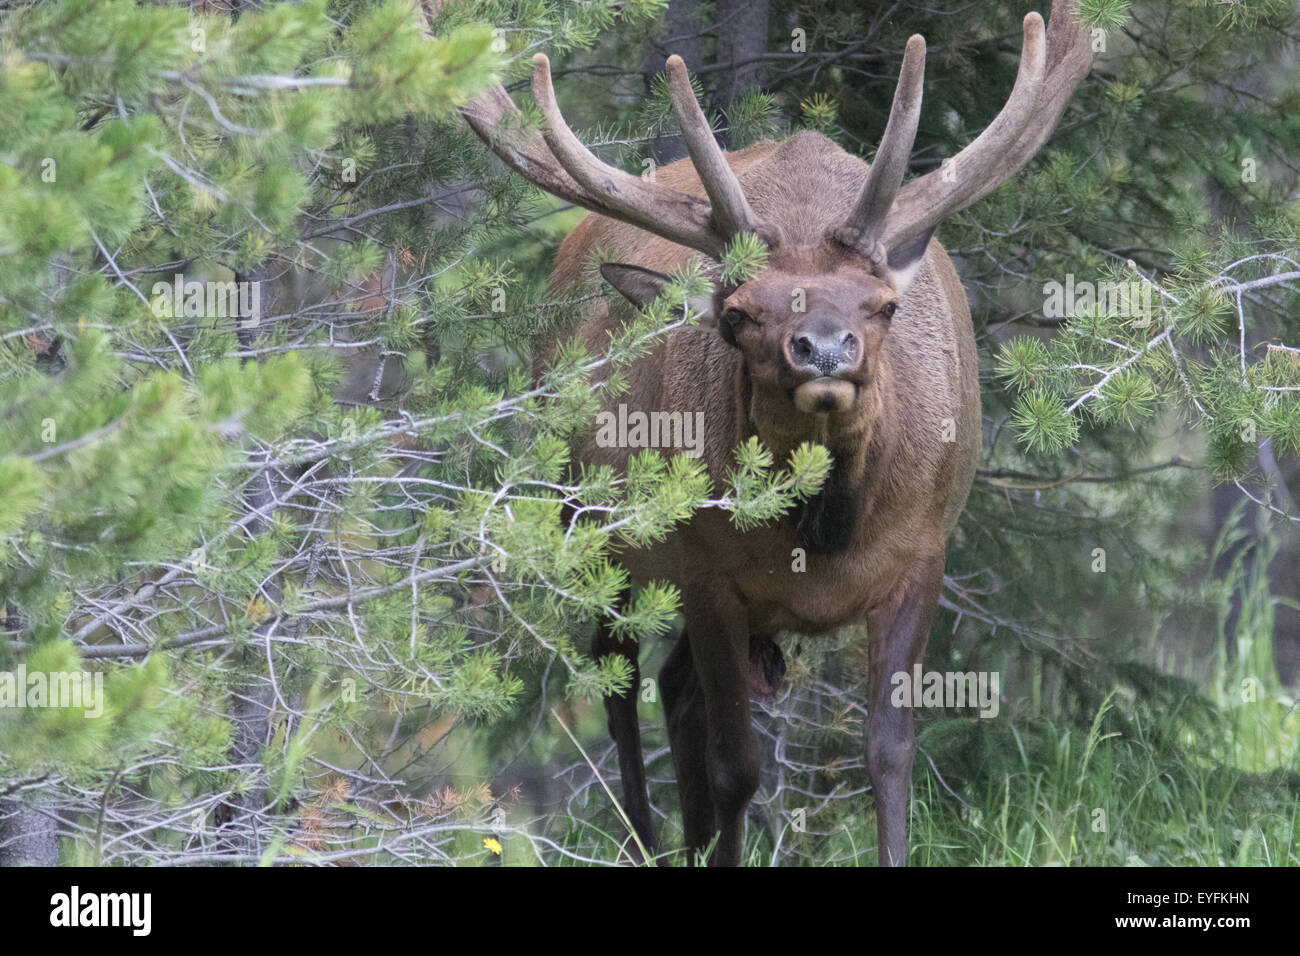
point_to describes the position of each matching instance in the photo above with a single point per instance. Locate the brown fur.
(911, 484)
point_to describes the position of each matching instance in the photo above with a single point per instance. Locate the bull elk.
(879, 367)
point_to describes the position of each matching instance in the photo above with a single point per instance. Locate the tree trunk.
(240, 819)
(27, 836)
(742, 41)
(681, 35)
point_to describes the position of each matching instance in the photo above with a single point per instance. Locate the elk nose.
(829, 352)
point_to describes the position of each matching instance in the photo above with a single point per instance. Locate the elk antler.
(1051, 66)
(557, 161)
(866, 224)
(731, 213)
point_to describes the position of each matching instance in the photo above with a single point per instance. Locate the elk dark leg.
(720, 651)
(897, 633)
(625, 728)
(687, 733)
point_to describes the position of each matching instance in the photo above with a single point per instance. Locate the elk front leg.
(897, 633)
(688, 731)
(625, 729)
(720, 651)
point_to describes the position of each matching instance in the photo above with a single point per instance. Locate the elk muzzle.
(829, 352)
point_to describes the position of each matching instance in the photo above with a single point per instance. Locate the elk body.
(879, 366)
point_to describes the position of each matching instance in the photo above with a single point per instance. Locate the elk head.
(823, 359)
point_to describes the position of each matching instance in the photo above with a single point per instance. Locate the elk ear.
(641, 286)
(905, 260)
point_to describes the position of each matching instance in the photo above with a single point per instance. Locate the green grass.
(1071, 797)
(1112, 800)
(1164, 774)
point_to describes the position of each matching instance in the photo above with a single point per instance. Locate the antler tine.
(1069, 58)
(731, 212)
(666, 212)
(495, 119)
(923, 204)
(866, 223)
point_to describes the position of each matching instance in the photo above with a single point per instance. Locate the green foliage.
(1044, 422)
(1106, 15)
(744, 256)
(751, 118)
(761, 494)
(819, 113)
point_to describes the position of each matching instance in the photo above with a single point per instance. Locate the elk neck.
(860, 442)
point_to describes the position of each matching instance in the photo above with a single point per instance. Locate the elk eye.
(733, 317)
(889, 309)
